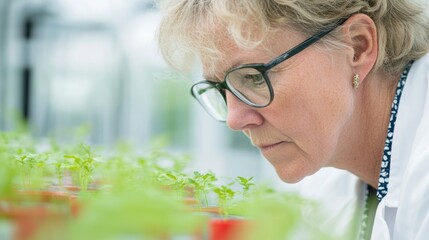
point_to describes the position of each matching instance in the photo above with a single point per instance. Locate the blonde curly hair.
(190, 28)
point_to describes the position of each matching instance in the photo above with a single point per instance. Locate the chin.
(290, 173)
(292, 167)
(290, 177)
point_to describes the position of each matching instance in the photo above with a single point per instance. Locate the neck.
(365, 138)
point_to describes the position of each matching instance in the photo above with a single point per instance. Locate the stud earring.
(356, 81)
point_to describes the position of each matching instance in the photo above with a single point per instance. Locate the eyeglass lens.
(250, 85)
(247, 83)
(211, 99)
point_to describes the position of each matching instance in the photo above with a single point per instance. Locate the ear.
(361, 34)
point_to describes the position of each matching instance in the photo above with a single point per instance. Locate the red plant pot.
(31, 210)
(227, 229)
(28, 221)
(54, 197)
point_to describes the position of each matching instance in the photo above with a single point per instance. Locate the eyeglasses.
(249, 83)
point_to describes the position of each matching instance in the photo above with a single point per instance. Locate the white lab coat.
(403, 214)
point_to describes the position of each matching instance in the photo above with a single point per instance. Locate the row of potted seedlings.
(48, 191)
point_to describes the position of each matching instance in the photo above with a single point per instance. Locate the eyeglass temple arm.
(304, 44)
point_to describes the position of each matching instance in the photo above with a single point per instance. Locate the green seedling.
(178, 181)
(245, 184)
(31, 167)
(59, 167)
(7, 169)
(203, 184)
(225, 195)
(84, 164)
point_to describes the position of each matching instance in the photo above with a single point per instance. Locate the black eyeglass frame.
(263, 68)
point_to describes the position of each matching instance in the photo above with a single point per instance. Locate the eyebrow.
(211, 78)
(236, 63)
(216, 79)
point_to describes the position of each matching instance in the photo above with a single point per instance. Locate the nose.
(240, 115)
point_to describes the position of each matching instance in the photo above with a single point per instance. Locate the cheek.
(312, 110)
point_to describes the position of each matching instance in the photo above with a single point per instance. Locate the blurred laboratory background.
(70, 66)
(93, 66)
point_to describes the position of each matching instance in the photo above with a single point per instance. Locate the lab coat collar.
(410, 110)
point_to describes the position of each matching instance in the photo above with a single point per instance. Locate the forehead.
(231, 54)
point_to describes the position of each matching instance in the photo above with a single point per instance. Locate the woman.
(313, 84)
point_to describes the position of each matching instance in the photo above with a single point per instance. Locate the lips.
(267, 147)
